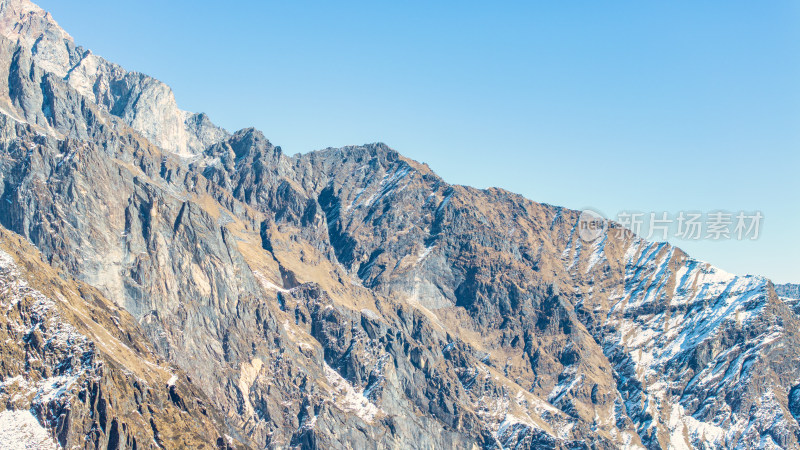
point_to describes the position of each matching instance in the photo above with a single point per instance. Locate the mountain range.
(168, 284)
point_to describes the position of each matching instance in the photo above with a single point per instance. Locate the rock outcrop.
(41, 52)
(81, 367)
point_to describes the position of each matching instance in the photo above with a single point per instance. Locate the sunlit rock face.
(77, 372)
(346, 298)
(43, 52)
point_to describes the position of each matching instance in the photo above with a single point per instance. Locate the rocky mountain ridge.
(143, 103)
(351, 298)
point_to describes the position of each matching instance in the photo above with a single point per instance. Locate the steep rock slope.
(41, 52)
(702, 355)
(79, 365)
(352, 298)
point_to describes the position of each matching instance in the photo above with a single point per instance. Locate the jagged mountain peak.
(142, 102)
(20, 14)
(34, 28)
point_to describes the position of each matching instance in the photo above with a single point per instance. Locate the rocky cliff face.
(351, 298)
(79, 365)
(41, 52)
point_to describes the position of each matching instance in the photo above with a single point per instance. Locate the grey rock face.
(80, 366)
(351, 298)
(144, 103)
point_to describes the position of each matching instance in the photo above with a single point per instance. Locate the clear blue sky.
(627, 105)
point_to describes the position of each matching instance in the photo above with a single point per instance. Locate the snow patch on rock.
(19, 430)
(349, 399)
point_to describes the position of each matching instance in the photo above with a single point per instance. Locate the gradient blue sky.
(628, 105)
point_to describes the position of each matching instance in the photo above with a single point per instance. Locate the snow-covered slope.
(20, 430)
(704, 358)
